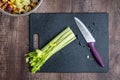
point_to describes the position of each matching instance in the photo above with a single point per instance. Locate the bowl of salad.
(19, 7)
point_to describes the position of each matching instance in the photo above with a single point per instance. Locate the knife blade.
(90, 41)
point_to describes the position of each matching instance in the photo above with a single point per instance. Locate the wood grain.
(14, 42)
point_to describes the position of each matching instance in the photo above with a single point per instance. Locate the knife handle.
(96, 54)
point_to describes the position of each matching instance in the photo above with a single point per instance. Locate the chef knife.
(90, 40)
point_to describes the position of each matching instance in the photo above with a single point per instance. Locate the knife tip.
(75, 18)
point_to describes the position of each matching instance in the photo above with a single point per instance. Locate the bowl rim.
(24, 14)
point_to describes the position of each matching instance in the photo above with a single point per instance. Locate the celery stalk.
(37, 58)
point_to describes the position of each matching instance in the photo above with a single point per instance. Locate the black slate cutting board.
(75, 57)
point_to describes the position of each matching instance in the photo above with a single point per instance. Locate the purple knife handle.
(96, 54)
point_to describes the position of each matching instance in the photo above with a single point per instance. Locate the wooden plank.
(14, 45)
(55, 6)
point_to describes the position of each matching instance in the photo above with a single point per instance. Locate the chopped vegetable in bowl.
(17, 6)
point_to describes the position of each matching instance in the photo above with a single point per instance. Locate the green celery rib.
(57, 38)
(60, 41)
(65, 40)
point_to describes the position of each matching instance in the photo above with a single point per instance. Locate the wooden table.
(14, 43)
